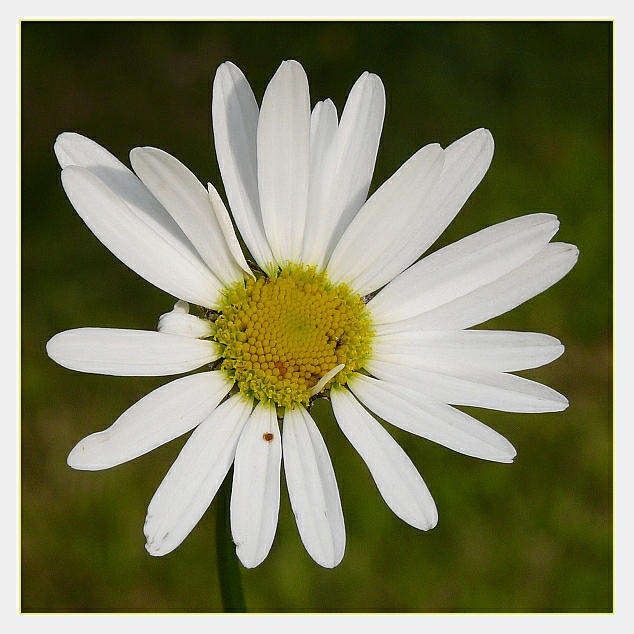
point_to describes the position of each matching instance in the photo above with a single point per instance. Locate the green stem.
(228, 565)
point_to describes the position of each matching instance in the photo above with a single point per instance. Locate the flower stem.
(227, 560)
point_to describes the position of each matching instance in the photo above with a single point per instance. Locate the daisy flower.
(337, 304)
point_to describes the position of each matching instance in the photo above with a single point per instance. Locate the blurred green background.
(535, 536)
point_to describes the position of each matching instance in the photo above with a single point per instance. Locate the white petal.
(179, 322)
(501, 350)
(357, 144)
(283, 143)
(323, 128)
(460, 384)
(396, 477)
(121, 352)
(181, 307)
(466, 162)
(427, 213)
(312, 489)
(136, 243)
(187, 201)
(162, 415)
(331, 374)
(74, 149)
(235, 122)
(349, 167)
(224, 221)
(191, 483)
(431, 419)
(463, 266)
(255, 494)
(389, 222)
(497, 297)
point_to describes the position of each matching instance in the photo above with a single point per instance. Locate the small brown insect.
(268, 436)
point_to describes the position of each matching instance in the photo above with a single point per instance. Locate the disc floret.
(283, 334)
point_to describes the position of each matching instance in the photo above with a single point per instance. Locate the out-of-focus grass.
(532, 536)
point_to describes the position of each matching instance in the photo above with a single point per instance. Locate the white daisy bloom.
(300, 324)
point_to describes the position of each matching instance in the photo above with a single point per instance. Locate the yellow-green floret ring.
(284, 335)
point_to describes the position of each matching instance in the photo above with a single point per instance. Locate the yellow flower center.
(286, 337)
